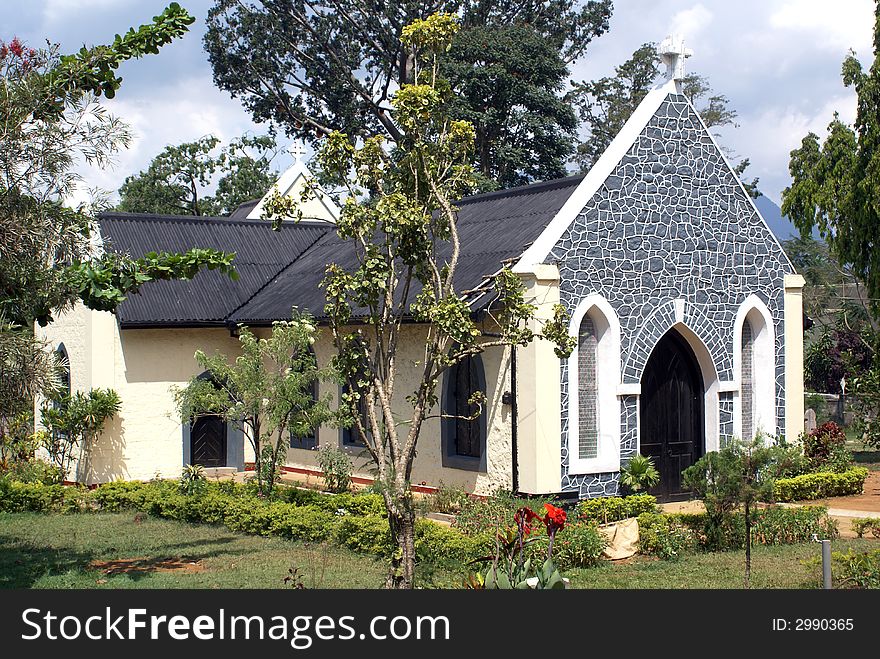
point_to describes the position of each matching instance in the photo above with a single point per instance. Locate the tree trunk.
(748, 545)
(402, 520)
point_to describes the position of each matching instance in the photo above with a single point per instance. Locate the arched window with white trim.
(747, 389)
(593, 378)
(588, 391)
(754, 363)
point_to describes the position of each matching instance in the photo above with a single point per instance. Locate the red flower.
(524, 518)
(555, 517)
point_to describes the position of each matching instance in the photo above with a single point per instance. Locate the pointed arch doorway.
(672, 413)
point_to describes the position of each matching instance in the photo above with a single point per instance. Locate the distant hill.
(779, 224)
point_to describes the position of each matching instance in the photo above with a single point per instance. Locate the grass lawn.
(783, 566)
(55, 551)
(59, 551)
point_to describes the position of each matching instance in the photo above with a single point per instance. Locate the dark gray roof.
(284, 269)
(243, 209)
(210, 297)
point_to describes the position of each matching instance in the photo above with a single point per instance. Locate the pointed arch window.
(747, 389)
(588, 391)
(64, 361)
(463, 427)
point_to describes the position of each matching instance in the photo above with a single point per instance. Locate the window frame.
(450, 458)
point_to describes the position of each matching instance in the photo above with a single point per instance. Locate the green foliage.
(192, 480)
(857, 569)
(400, 220)
(447, 498)
(835, 185)
(820, 485)
(32, 471)
(839, 353)
(336, 466)
(579, 544)
(825, 448)
(787, 460)
(603, 510)
(639, 474)
(865, 397)
(664, 536)
(74, 421)
(786, 526)
(50, 122)
(447, 546)
(506, 67)
(175, 181)
(368, 534)
(865, 525)
(267, 391)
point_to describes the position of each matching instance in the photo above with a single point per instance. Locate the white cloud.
(830, 25)
(690, 22)
(161, 116)
(58, 11)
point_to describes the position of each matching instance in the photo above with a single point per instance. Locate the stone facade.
(670, 237)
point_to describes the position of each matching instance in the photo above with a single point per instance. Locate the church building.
(686, 311)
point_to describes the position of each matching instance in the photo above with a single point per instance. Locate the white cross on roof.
(297, 149)
(673, 53)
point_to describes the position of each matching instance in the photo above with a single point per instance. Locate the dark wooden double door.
(208, 441)
(671, 414)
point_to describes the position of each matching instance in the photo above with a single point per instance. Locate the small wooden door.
(208, 441)
(672, 413)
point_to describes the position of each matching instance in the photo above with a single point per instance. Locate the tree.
(267, 391)
(73, 421)
(507, 82)
(406, 247)
(838, 354)
(737, 475)
(604, 105)
(322, 65)
(836, 184)
(50, 119)
(175, 180)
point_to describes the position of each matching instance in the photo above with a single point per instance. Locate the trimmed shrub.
(368, 535)
(31, 497)
(786, 526)
(820, 485)
(603, 510)
(436, 543)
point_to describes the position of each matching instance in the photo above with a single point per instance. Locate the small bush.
(867, 525)
(821, 442)
(30, 497)
(337, 468)
(664, 536)
(820, 485)
(33, 471)
(603, 510)
(857, 570)
(786, 526)
(787, 461)
(579, 544)
(447, 499)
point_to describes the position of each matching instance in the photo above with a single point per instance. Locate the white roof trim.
(594, 179)
(603, 168)
(285, 185)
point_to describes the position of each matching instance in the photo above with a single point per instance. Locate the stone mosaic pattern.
(669, 223)
(725, 417)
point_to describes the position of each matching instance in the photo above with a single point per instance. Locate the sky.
(778, 61)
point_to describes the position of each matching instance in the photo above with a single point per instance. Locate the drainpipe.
(514, 419)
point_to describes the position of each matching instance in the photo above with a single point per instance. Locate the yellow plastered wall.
(540, 392)
(145, 439)
(794, 356)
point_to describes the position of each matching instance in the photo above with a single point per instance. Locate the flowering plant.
(510, 567)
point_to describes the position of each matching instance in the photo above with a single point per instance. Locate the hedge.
(603, 510)
(668, 535)
(820, 485)
(355, 521)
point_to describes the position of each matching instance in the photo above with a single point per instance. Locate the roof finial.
(297, 149)
(673, 53)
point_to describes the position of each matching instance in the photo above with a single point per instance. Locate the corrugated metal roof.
(210, 297)
(284, 269)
